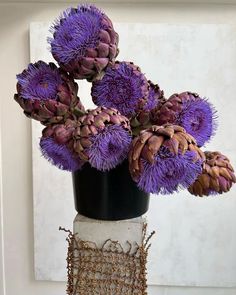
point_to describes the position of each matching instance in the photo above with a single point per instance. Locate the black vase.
(109, 195)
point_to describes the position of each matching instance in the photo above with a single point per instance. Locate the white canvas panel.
(196, 238)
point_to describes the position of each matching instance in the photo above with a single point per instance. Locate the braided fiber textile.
(109, 270)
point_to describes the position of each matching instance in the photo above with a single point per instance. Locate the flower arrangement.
(162, 138)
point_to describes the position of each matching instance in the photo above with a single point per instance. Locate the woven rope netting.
(109, 270)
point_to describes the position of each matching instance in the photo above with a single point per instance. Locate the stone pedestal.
(98, 231)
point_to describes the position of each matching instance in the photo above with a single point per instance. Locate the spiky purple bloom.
(169, 173)
(123, 87)
(59, 155)
(75, 32)
(152, 102)
(39, 81)
(155, 97)
(109, 147)
(84, 42)
(198, 118)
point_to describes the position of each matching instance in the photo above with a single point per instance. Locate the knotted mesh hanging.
(109, 270)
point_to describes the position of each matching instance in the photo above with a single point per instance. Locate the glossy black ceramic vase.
(109, 195)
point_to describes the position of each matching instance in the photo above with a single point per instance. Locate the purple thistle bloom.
(198, 118)
(169, 173)
(39, 81)
(75, 32)
(152, 102)
(59, 155)
(123, 87)
(109, 147)
(155, 97)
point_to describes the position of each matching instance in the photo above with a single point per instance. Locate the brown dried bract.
(149, 142)
(217, 176)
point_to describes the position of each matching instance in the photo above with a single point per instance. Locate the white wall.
(17, 207)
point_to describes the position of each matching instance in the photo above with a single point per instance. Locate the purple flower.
(109, 147)
(84, 42)
(39, 81)
(198, 118)
(59, 155)
(169, 173)
(75, 32)
(123, 87)
(155, 97)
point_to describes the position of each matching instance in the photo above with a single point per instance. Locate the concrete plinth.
(98, 231)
